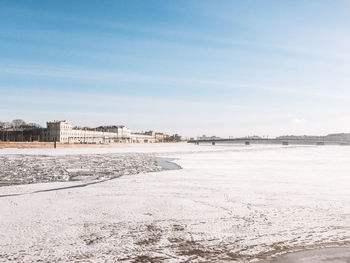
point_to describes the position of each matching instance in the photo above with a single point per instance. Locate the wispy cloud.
(117, 76)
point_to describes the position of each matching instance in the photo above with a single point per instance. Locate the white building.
(123, 133)
(142, 138)
(63, 131)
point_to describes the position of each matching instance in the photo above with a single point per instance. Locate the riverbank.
(50, 145)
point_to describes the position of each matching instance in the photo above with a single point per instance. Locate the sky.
(225, 68)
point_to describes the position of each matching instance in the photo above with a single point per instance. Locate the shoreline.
(50, 145)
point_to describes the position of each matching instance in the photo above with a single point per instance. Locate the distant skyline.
(225, 68)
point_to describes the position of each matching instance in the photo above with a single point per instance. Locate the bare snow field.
(227, 204)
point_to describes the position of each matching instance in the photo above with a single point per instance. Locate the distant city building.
(142, 138)
(123, 133)
(175, 138)
(150, 133)
(162, 137)
(22, 134)
(159, 137)
(64, 132)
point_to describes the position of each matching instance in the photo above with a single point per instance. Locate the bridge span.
(248, 141)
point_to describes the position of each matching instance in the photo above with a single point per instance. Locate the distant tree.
(18, 123)
(34, 125)
(5, 124)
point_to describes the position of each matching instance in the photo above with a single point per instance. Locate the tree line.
(18, 124)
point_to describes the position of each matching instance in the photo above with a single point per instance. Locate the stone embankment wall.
(22, 145)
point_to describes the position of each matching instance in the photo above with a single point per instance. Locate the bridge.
(248, 141)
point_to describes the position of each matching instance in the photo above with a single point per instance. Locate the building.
(142, 138)
(123, 133)
(162, 137)
(158, 136)
(63, 131)
(175, 138)
(22, 134)
(150, 133)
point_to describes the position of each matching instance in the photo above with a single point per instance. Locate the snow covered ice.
(16, 169)
(228, 203)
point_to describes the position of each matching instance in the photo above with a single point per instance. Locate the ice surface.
(124, 148)
(227, 204)
(24, 169)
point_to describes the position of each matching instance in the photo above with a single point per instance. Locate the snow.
(122, 148)
(228, 203)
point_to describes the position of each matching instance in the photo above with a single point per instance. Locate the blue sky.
(194, 67)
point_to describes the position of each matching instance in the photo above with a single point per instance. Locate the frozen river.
(227, 203)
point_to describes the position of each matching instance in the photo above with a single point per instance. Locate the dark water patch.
(321, 255)
(167, 164)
